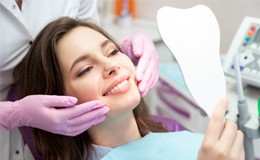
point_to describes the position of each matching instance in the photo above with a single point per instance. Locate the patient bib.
(181, 145)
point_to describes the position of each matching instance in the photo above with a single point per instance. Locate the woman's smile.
(122, 87)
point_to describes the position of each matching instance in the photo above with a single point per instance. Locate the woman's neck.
(115, 132)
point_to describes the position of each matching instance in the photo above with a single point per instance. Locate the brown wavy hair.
(39, 73)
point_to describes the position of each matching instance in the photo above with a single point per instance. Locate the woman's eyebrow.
(82, 58)
(104, 43)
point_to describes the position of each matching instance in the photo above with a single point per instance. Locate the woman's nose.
(110, 69)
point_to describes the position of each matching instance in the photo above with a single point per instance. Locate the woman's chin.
(120, 107)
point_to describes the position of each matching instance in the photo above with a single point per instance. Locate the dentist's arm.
(141, 50)
(222, 140)
(56, 114)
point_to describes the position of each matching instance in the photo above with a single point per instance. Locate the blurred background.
(229, 13)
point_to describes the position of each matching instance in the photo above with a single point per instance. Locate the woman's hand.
(141, 50)
(222, 140)
(56, 114)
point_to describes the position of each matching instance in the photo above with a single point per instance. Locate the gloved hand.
(141, 50)
(45, 112)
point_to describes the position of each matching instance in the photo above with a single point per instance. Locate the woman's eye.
(114, 52)
(84, 70)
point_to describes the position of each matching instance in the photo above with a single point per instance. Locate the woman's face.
(93, 69)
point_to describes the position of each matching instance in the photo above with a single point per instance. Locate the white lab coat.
(17, 29)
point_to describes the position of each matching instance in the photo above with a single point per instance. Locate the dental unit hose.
(243, 112)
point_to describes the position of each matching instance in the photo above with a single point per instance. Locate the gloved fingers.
(89, 116)
(156, 75)
(138, 45)
(83, 108)
(57, 101)
(143, 64)
(153, 81)
(126, 46)
(149, 54)
(149, 79)
(77, 129)
(143, 85)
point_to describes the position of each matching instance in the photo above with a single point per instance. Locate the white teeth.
(116, 87)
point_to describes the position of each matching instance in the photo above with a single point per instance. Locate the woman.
(71, 57)
(21, 21)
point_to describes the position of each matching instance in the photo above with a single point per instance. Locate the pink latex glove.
(56, 114)
(141, 50)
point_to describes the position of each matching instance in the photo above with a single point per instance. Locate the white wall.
(229, 13)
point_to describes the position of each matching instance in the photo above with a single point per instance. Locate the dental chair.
(26, 132)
